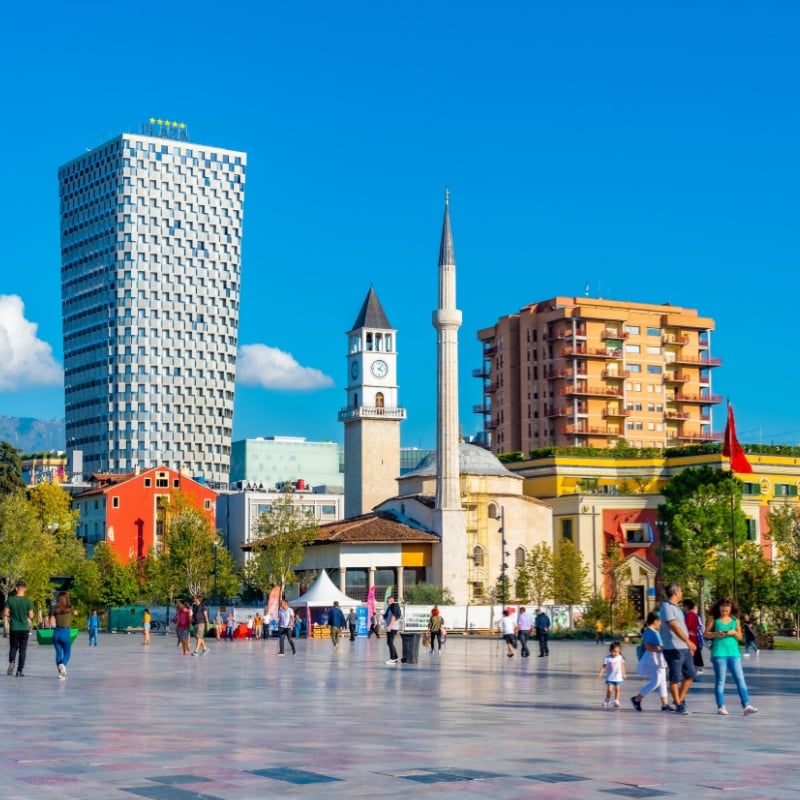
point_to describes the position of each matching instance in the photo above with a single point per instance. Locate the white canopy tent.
(322, 594)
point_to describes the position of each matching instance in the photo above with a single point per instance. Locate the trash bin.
(410, 647)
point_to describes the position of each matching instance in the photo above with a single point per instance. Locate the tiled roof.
(381, 527)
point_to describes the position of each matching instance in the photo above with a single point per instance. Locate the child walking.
(613, 670)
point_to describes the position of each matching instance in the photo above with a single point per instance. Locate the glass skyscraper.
(151, 232)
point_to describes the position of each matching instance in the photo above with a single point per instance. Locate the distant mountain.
(33, 435)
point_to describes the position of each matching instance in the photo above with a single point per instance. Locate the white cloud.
(270, 368)
(25, 361)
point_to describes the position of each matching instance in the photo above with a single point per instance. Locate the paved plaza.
(242, 723)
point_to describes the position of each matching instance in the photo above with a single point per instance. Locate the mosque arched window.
(478, 556)
(519, 557)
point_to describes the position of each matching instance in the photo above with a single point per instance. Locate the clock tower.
(371, 417)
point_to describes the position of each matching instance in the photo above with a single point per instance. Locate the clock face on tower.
(380, 368)
(354, 370)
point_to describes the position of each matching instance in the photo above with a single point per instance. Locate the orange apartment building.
(580, 371)
(124, 510)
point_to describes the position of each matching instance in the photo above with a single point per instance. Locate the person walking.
(336, 622)
(678, 647)
(93, 626)
(183, 620)
(146, 623)
(694, 625)
(749, 636)
(652, 664)
(725, 632)
(200, 621)
(435, 630)
(219, 626)
(598, 631)
(352, 623)
(19, 613)
(285, 621)
(374, 627)
(613, 670)
(61, 620)
(507, 627)
(542, 625)
(391, 624)
(524, 626)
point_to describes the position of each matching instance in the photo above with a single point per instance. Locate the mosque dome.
(472, 460)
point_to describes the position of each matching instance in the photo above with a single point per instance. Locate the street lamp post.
(503, 554)
(662, 529)
(214, 546)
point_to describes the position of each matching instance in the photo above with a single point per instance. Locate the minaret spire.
(447, 321)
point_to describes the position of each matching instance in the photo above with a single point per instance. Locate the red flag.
(732, 449)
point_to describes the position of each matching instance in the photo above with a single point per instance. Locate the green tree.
(535, 576)
(26, 552)
(10, 469)
(756, 583)
(186, 567)
(788, 593)
(617, 578)
(784, 530)
(571, 585)
(284, 531)
(702, 506)
(53, 508)
(427, 594)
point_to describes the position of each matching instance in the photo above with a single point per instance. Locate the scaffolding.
(475, 500)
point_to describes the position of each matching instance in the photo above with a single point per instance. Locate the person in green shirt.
(19, 612)
(724, 630)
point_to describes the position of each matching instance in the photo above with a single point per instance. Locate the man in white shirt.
(524, 625)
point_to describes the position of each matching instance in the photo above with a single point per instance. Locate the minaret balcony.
(371, 412)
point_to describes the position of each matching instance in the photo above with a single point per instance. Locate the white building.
(151, 231)
(238, 513)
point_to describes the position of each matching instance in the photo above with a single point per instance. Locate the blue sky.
(647, 149)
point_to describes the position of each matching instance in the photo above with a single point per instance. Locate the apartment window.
(633, 348)
(654, 369)
(115, 502)
(654, 331)
(566, 529)
(328, 509)
(785, 490)
(147, 483)
(634, 367)
(752, 529)
(751, 488)
(654, 351)
(635, 330)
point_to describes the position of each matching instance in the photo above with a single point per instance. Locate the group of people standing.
(669, 657)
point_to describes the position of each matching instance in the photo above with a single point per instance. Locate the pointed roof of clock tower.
(372, 314)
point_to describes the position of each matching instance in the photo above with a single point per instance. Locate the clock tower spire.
(371, 416)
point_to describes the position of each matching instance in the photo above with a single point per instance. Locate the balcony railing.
(615, 412)
(675, 415)
(676, 377)
(598, 391)
(585, 430)
(674, 338)
(703, 361)
(611, 333)
(620, 374)
(371, 412)
(698, 437)
(481, 409)
(489, 351)
(491, 424)
(706, 400)
(560, 412)
(491, 388)
(481, 372)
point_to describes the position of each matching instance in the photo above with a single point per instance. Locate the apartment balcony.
(491, 424)
(610, 413)
(706, 400)
(679, 415)
(694, 437)
(481, 409)
(674, 338)
(560, 412)
(552, 374)
(491, 388)
(618, 374)
(592, 391)
(677, 377)
(481, 372)
(697, 361)
(550, 336)
(489, 351)
(586, 430)
(574, 350)
(611, 333)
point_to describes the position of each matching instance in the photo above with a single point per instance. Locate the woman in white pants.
(652, 664)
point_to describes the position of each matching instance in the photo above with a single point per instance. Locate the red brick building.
(124, 510)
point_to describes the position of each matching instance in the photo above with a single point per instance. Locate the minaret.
(449, 517)
(447, 321)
